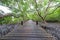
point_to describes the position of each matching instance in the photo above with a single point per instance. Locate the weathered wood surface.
(29, 31)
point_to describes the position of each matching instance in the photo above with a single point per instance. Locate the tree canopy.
(34, 9)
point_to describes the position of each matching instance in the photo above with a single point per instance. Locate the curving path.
(29, 31)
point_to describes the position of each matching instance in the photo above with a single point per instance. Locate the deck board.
(29, 31)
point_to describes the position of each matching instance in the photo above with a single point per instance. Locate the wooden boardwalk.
(29, 31)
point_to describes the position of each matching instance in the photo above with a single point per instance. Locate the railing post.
(21, 22)
(36, 22)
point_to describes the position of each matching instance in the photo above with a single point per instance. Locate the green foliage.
(8, 20)
(22, 10)
(34, 16)
(55, 16)
(5, 20)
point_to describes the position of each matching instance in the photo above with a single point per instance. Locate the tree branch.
(47, 9)
(39, 13)
(51, 12)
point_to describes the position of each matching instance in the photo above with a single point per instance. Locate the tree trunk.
(44, 21)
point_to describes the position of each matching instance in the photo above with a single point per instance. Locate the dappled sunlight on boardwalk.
(29, 31)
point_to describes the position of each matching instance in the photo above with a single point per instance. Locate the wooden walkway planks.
(29, 31)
